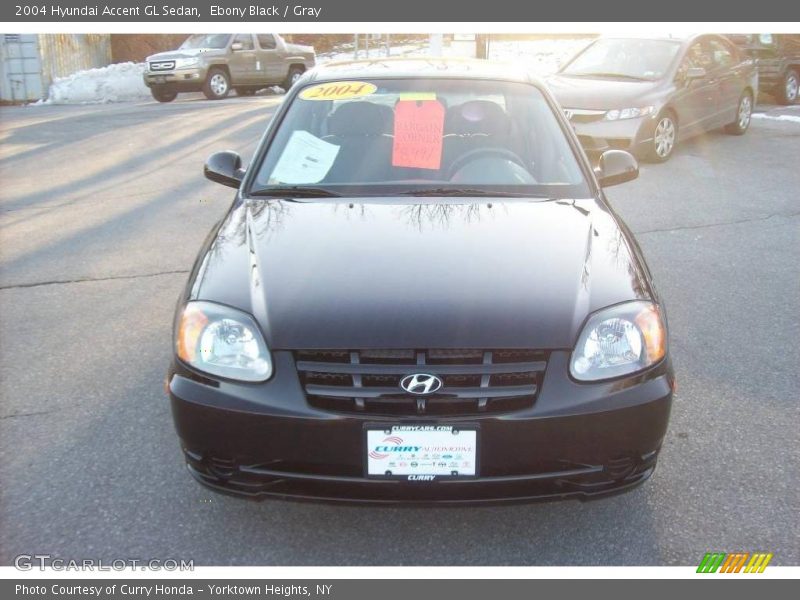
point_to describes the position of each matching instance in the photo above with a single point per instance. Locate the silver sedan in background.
(644, 95)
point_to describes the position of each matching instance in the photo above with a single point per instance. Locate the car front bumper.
(577, 440)
(188, 79)
(633, 135)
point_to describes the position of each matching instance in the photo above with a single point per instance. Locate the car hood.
(330, 274)
(598, 94)
(188, 53)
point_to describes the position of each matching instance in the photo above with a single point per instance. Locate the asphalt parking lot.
(102, 211)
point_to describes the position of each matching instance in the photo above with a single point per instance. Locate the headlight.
(222, 341)
(619, 340)
(183, 63)
(629, 113)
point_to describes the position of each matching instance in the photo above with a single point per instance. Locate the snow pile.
(121, 82)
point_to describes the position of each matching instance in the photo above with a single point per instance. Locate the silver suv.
(216, 62)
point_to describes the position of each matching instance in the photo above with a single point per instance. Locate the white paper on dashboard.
(305, 159)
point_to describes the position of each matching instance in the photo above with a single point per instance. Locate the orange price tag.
(418, 129)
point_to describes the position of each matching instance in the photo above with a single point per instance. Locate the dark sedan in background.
(646, 94)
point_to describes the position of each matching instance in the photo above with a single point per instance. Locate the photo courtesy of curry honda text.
(420, 294)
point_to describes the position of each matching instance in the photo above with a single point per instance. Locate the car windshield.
(640, 59)
(205, 40)
(421, 136)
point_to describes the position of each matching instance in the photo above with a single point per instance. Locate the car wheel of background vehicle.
(665, 135)
(787, 94)
(292, 77)
(743, 116)
(163, 95)
(217, 85)
(245, 91)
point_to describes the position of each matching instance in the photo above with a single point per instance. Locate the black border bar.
(410, 11)
(733, 587)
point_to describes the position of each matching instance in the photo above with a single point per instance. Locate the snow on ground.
(766, 116)
(346, 52)
(120, 82)
(541, 56)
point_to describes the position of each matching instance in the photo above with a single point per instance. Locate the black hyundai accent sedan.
(420, 294)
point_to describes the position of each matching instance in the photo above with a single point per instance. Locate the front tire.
(788, 92)
(744, 114)
(292, 77)
(163, 95)
(217, 85)
(665, 136)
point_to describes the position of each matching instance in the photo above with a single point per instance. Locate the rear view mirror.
(236, 46)
(693, 73)
(225, 168)
(615, 167)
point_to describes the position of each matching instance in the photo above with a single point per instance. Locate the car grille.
(582, 115)
(164, 65)
(474, 381)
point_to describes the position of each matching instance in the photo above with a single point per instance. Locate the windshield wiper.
(295, 191)
(444, 192)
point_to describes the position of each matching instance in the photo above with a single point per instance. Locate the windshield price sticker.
(417, 96)
(338, 90)
(418, 130)
(305, 159)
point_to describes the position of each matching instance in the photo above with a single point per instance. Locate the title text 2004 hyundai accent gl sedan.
(420, 294)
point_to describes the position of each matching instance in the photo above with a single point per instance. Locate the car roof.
(421, 67)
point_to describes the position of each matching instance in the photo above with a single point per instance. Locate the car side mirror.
(615, 167)
(693, 73)
(225, 168)
(236, 46)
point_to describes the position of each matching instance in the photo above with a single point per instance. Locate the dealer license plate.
(421, 452)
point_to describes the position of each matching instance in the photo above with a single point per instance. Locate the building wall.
(63, 54)
(20, 67)
(30, 62)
